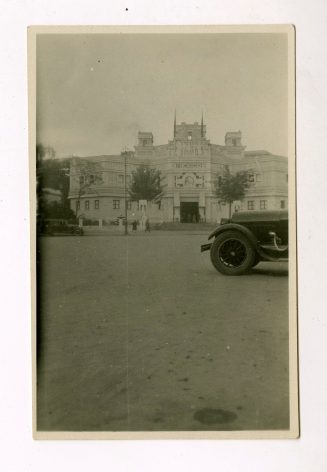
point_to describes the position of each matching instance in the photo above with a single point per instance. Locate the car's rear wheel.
(232, 253)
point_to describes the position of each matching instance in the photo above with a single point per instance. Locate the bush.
(54, 210)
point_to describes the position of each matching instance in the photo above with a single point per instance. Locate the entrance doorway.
(189, 212)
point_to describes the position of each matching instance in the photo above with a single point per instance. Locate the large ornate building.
(189, 165)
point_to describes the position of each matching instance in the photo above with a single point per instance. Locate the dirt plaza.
(140, 333)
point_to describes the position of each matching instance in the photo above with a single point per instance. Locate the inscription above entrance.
(189, 165)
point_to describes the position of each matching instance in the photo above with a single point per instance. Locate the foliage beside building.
(52, 177)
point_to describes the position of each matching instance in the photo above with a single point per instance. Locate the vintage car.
(247, 238)
(57, 226)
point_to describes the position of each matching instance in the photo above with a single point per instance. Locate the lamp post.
(125, 153)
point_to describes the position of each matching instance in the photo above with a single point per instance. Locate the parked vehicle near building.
(248, 238)
(52, 227)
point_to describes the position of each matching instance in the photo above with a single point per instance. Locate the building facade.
(190, 166)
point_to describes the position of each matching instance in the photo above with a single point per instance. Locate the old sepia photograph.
(162, 164)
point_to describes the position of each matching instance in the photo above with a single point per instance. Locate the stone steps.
(185, 226)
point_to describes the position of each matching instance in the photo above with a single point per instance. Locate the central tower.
(188, 132)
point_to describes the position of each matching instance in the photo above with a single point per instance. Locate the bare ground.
(140, 333)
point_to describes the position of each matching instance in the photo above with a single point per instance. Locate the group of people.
(191, 218)
(146, 225)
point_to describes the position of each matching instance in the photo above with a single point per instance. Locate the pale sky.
(95, 92)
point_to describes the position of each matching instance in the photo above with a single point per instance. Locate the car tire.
(232, 253)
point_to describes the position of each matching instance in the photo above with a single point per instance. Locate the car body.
(247, 238)
(52, 227)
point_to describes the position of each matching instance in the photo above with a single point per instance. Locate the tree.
(145, 184)
(44, 152)
(52, 173)
(231, 187)
(54, 210)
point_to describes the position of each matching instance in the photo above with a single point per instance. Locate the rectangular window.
(251, 205)
(263, 204)
(282, 204)
(116, 204)
(251, 177)
(120, 179)
(81, 179)
(87, 204)
(77, 205)
(91, 179)
(129, 205)
(96, 204)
